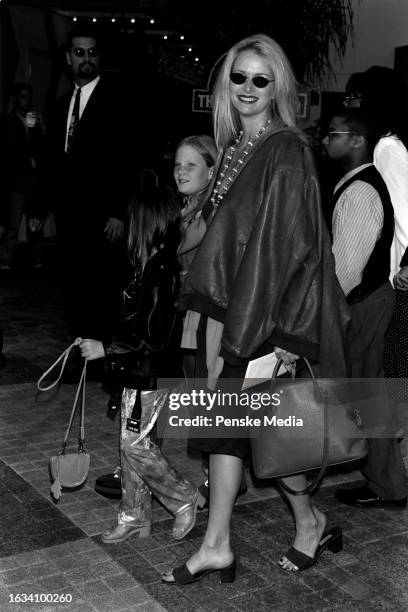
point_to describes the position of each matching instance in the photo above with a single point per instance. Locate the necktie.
(74, 123)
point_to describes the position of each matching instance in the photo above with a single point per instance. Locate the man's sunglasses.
(332, 133)
(80, 51)
(260, 82)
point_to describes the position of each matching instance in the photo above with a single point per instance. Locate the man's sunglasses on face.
(80, 51)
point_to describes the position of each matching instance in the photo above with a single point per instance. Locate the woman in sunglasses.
(264, 275)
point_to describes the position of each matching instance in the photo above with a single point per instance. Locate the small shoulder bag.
(69, 470)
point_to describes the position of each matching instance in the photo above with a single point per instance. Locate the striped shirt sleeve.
(357, 223)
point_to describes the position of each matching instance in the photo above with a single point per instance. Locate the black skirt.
(236, 447)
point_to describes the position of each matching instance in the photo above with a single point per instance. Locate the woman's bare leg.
(310, 522)
(224, 480)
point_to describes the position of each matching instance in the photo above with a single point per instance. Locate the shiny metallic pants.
(146, 471)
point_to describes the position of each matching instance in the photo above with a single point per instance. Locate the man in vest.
(363, 227)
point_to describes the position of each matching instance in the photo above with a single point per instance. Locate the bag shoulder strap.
(81, 386)
(312, 486)
(63, 357)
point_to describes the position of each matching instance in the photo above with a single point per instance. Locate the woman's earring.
(210, 172)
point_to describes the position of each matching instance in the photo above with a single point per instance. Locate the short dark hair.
(362, 123)
(18, 87)
(84, 30)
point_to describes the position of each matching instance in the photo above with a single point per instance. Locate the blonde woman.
(264, 274)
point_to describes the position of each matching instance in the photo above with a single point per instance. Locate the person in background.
(378, 92)
(86, 181)
(25, 148)
(263, 278)
(363, 229)
(144, 348)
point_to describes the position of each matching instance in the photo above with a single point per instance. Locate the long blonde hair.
(225, 117)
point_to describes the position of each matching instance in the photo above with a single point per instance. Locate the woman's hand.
(288, 359)
(401, 279)
(91, 349)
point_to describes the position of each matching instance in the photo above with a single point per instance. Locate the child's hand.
(91, 349)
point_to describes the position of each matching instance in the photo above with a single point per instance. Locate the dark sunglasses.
(332, 133)
(238, 78)
(80, 52)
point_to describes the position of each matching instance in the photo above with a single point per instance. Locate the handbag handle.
(63, 357)
(311, 487)
(81, 385)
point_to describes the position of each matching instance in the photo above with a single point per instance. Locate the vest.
(377, 270)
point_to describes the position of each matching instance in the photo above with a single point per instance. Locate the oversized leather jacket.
(141, 350)
(265, 267)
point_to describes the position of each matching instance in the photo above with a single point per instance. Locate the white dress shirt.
(86, 92)
(391, 161)
(358, 218)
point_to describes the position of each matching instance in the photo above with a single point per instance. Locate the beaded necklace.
(218, 193)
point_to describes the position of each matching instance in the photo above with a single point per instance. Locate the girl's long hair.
(152, 224)
(225, 117)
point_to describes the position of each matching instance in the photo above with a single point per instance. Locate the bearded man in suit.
(88, 187)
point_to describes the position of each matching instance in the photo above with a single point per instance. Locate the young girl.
(194, 164)
(193, 168)
(139, 354)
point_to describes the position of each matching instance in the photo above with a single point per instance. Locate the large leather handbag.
(315, 425)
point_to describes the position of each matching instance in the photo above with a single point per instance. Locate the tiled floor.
(56, 549)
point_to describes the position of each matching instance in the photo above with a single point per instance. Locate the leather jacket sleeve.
(149, 313)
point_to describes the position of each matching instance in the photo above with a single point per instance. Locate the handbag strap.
(81, 386)
(63, 357)
(312, 486)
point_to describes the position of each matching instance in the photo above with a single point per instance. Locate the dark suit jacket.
(92, 183)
